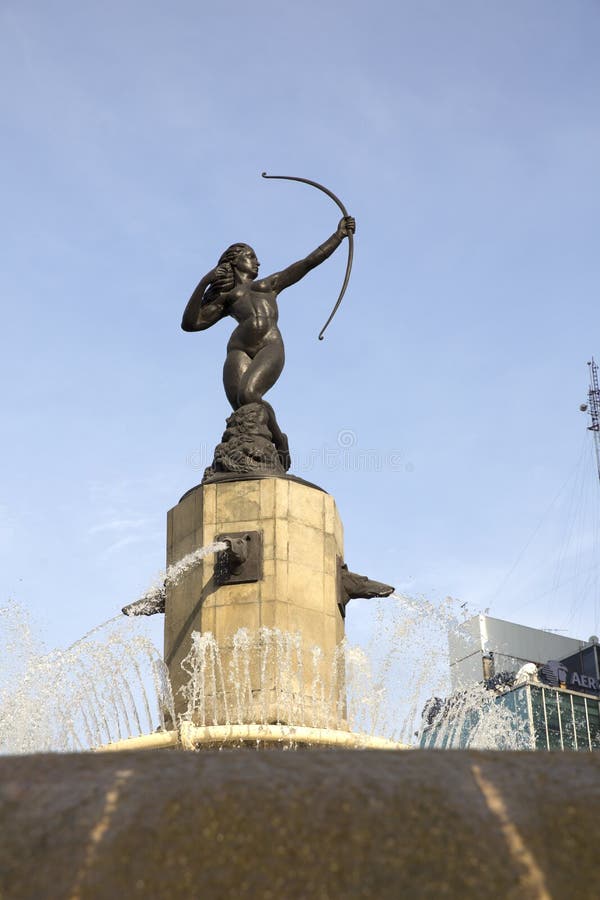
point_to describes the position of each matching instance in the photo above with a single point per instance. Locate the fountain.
(343, 823)
(255, 591)
(111, 690)
(254, 599)
(255, 603)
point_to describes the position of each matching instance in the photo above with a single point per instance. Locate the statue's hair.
(232, 252)
(227, 259)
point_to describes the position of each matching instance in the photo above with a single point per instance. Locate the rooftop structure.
(487, 645)
(534, 689)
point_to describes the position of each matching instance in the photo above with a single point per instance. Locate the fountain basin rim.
(190, 737)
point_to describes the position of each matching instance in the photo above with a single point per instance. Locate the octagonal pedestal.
(298, 593)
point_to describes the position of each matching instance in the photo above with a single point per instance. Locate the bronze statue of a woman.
(255, 353)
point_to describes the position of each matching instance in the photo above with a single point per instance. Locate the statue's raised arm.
(297, 270)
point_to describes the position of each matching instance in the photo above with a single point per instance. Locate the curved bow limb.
(344, 211)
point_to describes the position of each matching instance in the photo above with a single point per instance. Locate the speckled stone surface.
(312, 824)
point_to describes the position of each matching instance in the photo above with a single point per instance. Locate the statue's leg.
(236, 365)
(261, 373)
(278, 437)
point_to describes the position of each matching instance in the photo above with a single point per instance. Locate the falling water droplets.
(112, 683)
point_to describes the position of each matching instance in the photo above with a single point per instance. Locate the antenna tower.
(593, 407)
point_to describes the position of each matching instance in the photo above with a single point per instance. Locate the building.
(517, 687)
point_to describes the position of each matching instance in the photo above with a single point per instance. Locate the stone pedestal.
(298, 593)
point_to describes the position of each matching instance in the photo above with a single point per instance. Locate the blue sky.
(463, 137)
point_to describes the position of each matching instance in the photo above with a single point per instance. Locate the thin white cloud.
(119, 525)
(127, 541)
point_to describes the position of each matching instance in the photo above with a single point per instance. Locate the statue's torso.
(254, 306)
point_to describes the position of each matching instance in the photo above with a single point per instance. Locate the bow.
(350, 239)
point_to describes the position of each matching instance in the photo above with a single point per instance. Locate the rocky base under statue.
(252, 444)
